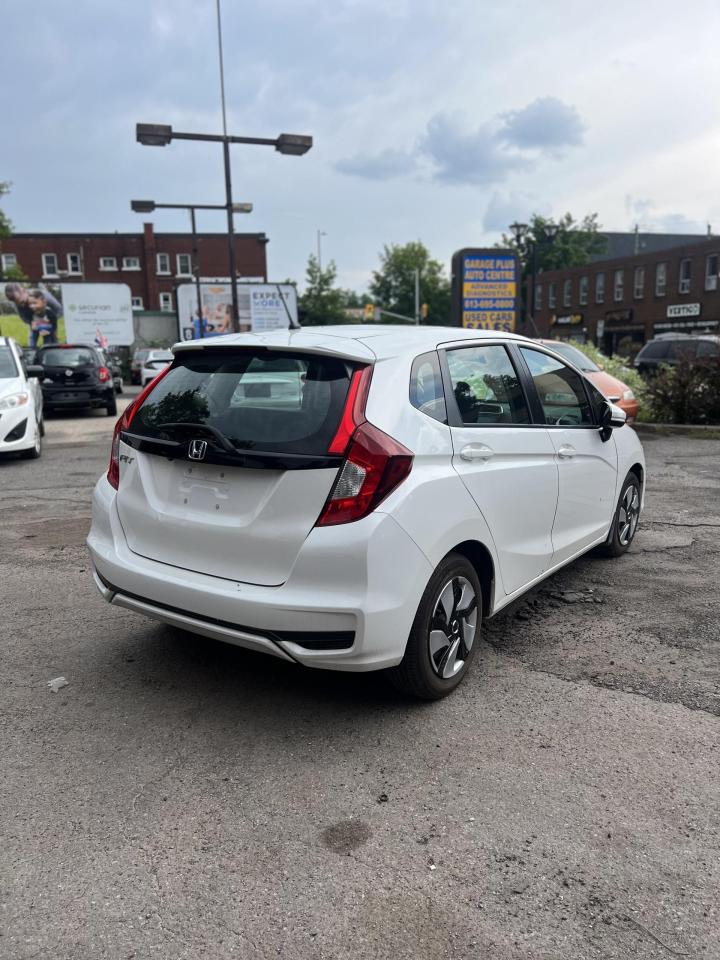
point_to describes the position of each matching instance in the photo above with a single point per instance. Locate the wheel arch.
(481, 559)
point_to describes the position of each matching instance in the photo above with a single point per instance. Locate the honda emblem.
(197, 449)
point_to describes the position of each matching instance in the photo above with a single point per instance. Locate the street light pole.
(291, 144)
(196, 268)
(231, 236)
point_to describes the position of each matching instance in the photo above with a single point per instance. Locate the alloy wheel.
(628, 515)
(452, 627)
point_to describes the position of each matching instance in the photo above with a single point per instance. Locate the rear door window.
(708, 348)
(486, 387)
(655, 350)
(249, 401)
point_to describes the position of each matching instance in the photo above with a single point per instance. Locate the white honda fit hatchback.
(359, 498)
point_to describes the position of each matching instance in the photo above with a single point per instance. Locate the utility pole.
(320, 235)
(417, 297)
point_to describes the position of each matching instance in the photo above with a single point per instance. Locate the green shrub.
(686, 393)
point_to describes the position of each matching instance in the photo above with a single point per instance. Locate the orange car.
(615, 390)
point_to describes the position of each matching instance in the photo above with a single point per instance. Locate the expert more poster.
(261, 306)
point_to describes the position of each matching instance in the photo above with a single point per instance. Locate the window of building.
(552, 295)
(50, 265)
(163, 263)
(9, 261)
(137, 303)
(660, 279)
(74, 263)
(538, 296)
(184, 265)
(618, 285)
(166, 303)
(567, 293)
(108, 263)
(639, 283)
(485, 386)
(584, 290)
(131, 263)
(600, 288)
(685, 275)
(711, 272)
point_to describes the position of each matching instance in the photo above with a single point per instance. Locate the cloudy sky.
(439, 121)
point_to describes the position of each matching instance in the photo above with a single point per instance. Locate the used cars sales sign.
(485, 285)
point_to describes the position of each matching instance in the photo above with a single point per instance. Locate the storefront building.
(622, 303)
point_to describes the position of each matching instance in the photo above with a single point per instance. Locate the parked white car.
(360, 497)
(153, 363)
(21, 403)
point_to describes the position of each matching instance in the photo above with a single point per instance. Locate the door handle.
(566, 452)
(476, 451)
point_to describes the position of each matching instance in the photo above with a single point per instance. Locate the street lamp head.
(551, 230)
(293, 144)
(242, 208)
(520, 231)
(142, 206)
(153, 134)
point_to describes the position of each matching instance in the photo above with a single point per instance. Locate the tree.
(574, 244)
(393, 285)
(6, 227)
(322, 303)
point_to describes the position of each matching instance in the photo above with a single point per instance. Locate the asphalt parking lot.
(185, 799)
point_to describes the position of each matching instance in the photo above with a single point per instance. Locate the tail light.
(374, 465)
(103, 374)
(123, 423)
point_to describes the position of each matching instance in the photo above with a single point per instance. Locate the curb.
(699, 431)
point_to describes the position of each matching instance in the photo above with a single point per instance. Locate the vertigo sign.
(485, 288)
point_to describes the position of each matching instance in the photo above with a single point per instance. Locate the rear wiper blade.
(222, 440)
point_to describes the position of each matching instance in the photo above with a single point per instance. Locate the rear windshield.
(7, 363)
(255, 399)
(66, 357)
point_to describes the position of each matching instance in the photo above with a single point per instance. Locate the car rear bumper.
(348, 604)
(78, 397)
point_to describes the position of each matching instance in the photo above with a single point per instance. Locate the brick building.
(635, 297)
(152, 264)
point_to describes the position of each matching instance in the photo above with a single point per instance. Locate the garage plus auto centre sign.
(485, 287)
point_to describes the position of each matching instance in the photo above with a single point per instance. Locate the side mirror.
(34, 370)
(612, 418)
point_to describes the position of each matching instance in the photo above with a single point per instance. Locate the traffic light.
(369, 311)
(424, 311)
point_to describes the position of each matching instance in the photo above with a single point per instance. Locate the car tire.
(625, 519)
(445, 633)
(111, 407)
(35, 451)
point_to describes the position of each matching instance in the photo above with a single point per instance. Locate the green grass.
(13, 326)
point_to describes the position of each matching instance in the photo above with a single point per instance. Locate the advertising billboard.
(485, 289)
(99, 313)
(31, 313)
(261, 306)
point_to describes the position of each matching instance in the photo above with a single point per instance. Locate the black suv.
(75, 375)
(671, 348)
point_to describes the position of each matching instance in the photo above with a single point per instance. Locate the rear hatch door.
(224, 468)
